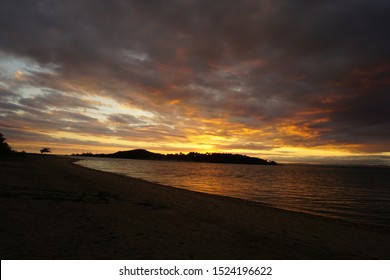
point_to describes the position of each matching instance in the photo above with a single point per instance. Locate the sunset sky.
(303, 81)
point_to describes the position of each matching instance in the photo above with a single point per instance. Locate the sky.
(291, 81)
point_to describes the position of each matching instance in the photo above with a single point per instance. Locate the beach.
(54, 209)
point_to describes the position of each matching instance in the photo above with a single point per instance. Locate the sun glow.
(303, 151)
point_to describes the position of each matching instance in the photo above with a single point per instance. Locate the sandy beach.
(54, 209)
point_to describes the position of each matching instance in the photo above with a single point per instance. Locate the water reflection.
(356, 194)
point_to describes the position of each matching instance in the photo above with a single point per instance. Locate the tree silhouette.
(45, 150)
(4, 147)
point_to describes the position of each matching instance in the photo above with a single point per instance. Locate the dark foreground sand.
(53, 209)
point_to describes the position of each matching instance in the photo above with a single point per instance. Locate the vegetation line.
(190, 157)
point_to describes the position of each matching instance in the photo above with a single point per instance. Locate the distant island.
(190, 157)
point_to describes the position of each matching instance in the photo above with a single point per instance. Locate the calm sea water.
(358, 194)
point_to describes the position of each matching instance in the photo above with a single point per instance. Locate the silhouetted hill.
(190, 157)
(136, 154)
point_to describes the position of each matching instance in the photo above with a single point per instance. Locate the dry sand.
(53, 209)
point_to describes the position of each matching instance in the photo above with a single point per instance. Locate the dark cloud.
(126, 119)
(5, 93)
(54, 99)
(7, 106)
(321, 66)
(49, 112)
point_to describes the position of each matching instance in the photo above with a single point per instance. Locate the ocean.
(357, 194)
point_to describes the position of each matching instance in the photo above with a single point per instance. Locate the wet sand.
(54, 209)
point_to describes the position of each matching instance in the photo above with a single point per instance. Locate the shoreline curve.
(54, 209)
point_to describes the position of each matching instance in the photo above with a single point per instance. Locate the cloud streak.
(254, 75)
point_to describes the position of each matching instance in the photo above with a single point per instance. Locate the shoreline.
(243, 200)
(55, 209)
(336, 216)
